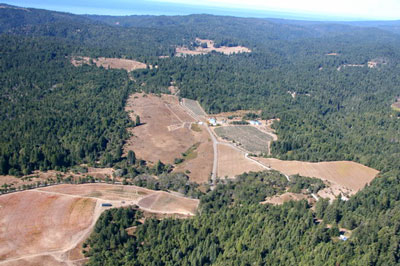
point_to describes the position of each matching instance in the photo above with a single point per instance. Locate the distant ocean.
(143, 7)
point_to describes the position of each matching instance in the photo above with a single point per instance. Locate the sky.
(289, 9)
(372, 9)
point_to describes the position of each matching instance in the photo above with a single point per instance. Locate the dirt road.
(49, 220)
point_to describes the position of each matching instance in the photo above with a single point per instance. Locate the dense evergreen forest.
(232, 228)
(54, 116)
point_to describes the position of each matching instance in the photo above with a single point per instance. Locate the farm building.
(212, 121)
(106, 205)
(255, 122)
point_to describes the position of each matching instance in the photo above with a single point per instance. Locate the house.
(212, 121)
(255, 122)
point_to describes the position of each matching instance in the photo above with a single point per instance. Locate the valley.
(197, 140)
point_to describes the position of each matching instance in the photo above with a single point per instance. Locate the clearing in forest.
(194, 106)
(167, 131)
(350, 176)
(114, 63)
(248, 137)
(285, 197)
(233, 162)
(36, 224)
(164, 202)
(47, 226)
(396, 105)
(210, 46)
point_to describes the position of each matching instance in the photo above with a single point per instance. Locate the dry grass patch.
(350, 175)
(285, 197)
(199, 168)
(47, 226)
(165, 131)
(102, 191)
(182, 51)
(168, 203)
(114, 63)
(232, 162)
(32, 223)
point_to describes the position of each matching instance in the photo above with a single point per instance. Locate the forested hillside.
(331, 86)
(234, 229)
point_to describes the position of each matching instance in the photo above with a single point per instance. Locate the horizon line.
(218, 11)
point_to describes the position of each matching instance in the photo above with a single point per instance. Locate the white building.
(212, 121)
(255, 122)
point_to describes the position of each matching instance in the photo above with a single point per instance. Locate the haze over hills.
(84, 98)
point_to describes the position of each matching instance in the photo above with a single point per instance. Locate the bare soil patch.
(182, 51)
(350, 176)
(114, 63)
(169, 203)
(200, 167)
(102, 191)
(232, 162)
(47, 226)
(166, 133)
(46, 260)
(285, 197)
(32, 222)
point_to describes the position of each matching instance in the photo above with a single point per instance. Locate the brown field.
(114, 63)
(350, 175)
(199, 167)
(166, 133)
(35, 223)
(45, 260)
(280, 199)
(101, 191)
(182, 51)
(47, 226)
(232, 162)
(164, 202)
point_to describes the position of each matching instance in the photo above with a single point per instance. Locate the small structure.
(106, 205)
(255, 122)
(343, 237)
(344, 198)
(212, 121)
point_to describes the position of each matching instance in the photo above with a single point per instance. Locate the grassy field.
(250, 138)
